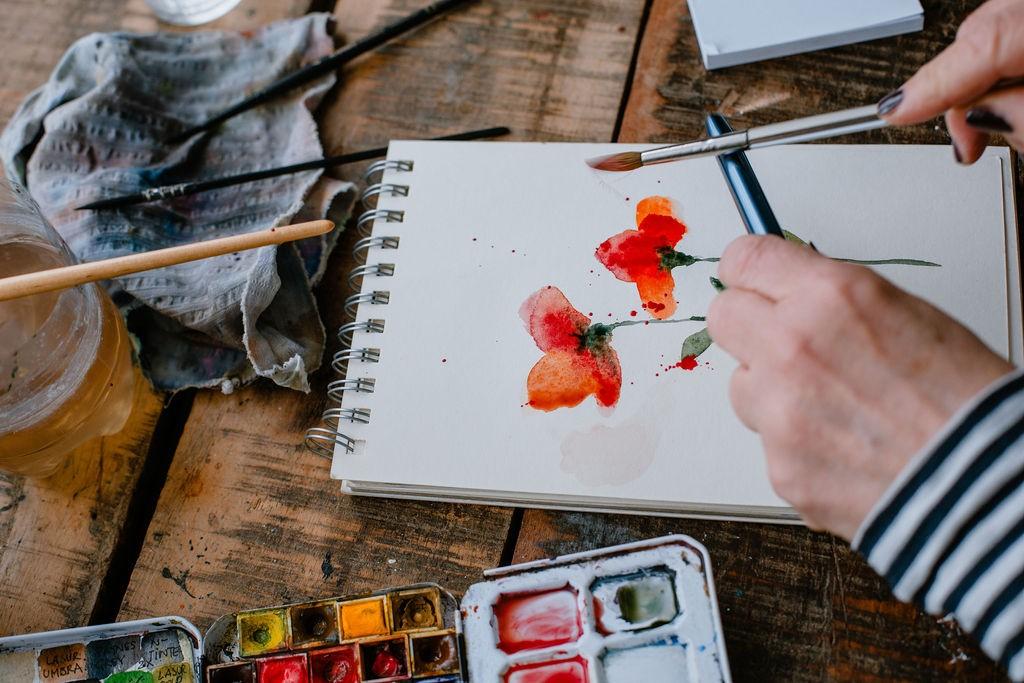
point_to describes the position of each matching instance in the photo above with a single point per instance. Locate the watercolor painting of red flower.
(647, 255)
(578, 359)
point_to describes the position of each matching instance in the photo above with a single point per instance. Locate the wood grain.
(796, 605)
(57, 535)
(36, 33)
(248, 517)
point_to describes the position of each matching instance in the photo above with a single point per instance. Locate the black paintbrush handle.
(327, 64)
(757, 214)
(183, 189)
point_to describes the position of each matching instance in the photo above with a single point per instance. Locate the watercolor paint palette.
(639, 612)
(401, 634)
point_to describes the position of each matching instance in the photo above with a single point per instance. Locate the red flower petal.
(552, 321)
(635, 255)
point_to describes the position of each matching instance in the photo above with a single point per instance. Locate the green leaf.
(696, 344)
(792, 238)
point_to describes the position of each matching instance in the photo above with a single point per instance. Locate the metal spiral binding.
(371, 326)
(324, 440)
(377, 269)
(341, 358)
(377, 189)
(379, 241)
(360, 385)
(365, 221)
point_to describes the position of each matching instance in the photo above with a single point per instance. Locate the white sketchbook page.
(488, 224)
(727, 26)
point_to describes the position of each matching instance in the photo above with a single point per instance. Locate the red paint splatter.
(535, 620)
(578, 361)
(565, 671)
(655, 308)
(636, 255)
(632, 314)
(687, 363)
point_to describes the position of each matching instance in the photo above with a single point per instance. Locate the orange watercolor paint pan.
(643, 611)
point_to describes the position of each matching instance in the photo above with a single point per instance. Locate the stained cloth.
(99, 128)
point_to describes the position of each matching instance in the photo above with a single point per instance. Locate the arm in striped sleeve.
(949, 532)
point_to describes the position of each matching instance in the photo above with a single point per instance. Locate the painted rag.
(97, 128)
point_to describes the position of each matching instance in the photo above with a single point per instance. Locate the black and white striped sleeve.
(949, 532)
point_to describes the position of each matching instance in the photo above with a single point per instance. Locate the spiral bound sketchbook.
(528, 331)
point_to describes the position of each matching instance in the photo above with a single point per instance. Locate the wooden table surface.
(208, 503)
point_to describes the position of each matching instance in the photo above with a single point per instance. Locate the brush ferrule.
(697, 148)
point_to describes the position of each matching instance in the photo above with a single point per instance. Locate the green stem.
(626, 323)
(890, 262)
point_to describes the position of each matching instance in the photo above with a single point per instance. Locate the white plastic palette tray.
(638, 612)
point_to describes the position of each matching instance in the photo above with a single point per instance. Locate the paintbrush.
(787, 132)
(326, 64)
(182, 189)
(63, 277)
(804, 129)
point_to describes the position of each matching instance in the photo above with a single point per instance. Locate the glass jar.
(190, 12)
(65, 360)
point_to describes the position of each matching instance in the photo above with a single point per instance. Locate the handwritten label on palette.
(64, 663)
(111, 655)
(165, 647)
(179, 672)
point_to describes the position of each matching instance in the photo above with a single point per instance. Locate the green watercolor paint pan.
(644, 611)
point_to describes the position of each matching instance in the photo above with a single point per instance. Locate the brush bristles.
(623, 161)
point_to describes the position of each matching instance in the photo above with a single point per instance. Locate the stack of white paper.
(732, 32)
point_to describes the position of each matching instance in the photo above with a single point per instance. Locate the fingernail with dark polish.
(985, 120)
(957, 155)
(889, 103)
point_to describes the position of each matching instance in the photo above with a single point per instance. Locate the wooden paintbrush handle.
(82, 273)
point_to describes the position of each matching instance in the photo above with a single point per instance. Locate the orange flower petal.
(656, 291)
(560, 379)
(563, 379)
(661, 206)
